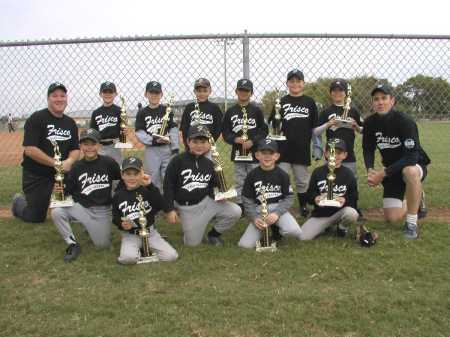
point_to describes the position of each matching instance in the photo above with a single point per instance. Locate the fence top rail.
(25, 43)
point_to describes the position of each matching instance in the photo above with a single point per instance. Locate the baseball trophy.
(162, 133)
(58, 199)
(221, 192)
(145, 253)
(275, 132)
(264, 244)
(345, 121)
(123, 143)
(195, 114)
(243, 154)
(329, 200)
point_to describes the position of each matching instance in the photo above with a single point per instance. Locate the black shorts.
(394, 186)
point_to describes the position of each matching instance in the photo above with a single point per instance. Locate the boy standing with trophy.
(106, 120)
(268, 184)
(404, 161)
(138, 197)
(189, 191)
(243, 127)
(89, 182)
(202, 111)
(332, 190)
(156, 129)
(38, 175)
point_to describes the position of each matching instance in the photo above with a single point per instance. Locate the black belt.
(189, 202)
(110, 142)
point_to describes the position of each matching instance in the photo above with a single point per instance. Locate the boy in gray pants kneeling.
(189, 191)
(276, 185)
(89, 182)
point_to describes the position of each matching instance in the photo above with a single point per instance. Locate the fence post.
(246, 55)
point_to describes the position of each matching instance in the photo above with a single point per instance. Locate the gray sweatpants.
(287, 224)
(96, 220)
(240, 173)
(314, 226)
(301, 175)
(131, 243)
(111, 151)
(195, 218)
(156, 159)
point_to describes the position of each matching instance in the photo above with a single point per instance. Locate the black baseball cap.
(295, 73)
(338, 144)
(55, 86)
(267, 144)
(339, 84)
(202, 83)
(384, 88)
(198, 131)
(244, 84)
(153, 86)
(132, 162)
(108, 86)
(91, 134)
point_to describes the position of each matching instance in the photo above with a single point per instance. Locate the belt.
(107, 142)
(189, 202)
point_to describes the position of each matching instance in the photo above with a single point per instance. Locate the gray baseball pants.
(315, 226)
(195, 218)
(287, 224)
(96, 220)
(156, 159)
(111, 151)
(131, 243)
(301, 175)
(240, 173)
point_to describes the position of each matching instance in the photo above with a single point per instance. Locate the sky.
(46, 19)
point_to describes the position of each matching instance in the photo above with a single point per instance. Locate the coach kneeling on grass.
(38, 175)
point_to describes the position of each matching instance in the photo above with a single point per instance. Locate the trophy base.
(231, 193)
(329, 203)
(260, 249)
(276, 137)
(165, 138)
(123, 145)
(247, 159)
(68, 202)
(148, 259)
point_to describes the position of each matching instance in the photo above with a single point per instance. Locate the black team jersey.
(346, 134)
(345, 186)
(188, 179)
(150, 120)
(42, 127)
(396, 137)
(126, 205)
(90, 181)
(210, 116)
(232, 126)
(106, 120)
(299, 118)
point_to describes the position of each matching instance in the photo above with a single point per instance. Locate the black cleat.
(276, 235)
(72, 252)
(304, 212)
(18, 204)
(341, 231)
(214, 240)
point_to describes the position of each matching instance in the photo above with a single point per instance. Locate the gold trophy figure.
(275, 132)
(162, 133)
(145, 253)
(123, 143)
(195, 114)
(264, 244)
(222, 191)
(243, 154)
(330, 199)
(345, 121)
(58, 199)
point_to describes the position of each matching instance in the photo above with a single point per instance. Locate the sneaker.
(304, 212)
(72, 252)
(410, 231)
(214, 240)
(422, 212)
(341, 231)
(18, 204)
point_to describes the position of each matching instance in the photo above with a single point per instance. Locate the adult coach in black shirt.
(405, 163)
(38, 163)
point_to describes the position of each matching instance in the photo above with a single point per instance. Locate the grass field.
(327, 287)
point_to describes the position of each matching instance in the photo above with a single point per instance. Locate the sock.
(411, 218)
(214, 233)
